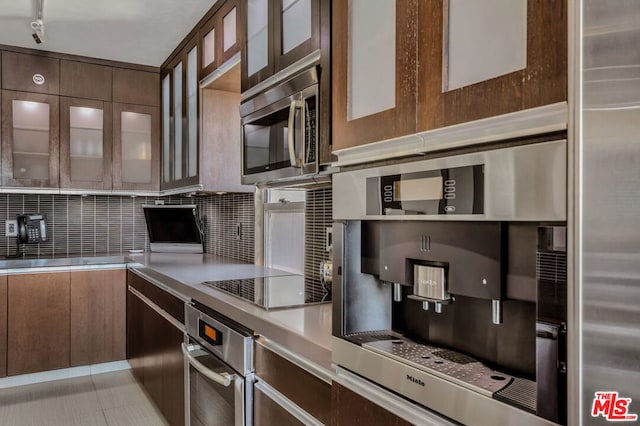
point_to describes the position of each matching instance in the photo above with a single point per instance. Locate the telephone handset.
(32, 228)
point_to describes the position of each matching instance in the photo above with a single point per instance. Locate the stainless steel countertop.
(305, 331)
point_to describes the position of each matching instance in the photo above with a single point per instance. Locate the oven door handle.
(223, 379)
(293, 158)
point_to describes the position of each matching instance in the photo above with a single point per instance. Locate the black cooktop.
(283, 291)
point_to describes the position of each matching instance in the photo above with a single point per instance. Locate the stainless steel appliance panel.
(219, 375)
(234, 348)
(607, 178)
(368, 299)
(280, 131)
(443, 396)
(523, 183)
(215, 396)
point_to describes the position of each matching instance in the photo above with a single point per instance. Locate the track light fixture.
(37, 26)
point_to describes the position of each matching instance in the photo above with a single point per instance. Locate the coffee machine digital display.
(458, 190)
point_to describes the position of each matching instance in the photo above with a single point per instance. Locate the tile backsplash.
(89, 225)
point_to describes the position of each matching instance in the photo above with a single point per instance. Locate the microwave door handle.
(223, 379)
(295, 162)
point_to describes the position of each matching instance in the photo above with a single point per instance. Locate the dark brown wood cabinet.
(180, 118)
(136, 87)
(307, 391)
(268, 412)
(220, 37)
(98, 317)
(355, 121)
(135, 335)
(85, 80)
(136, 147)
(422, 100)
(38, 322)
(349, 409)
(3, 326)
(30, 73)
(543, 81)
(85, 144)
(278, 33)
(30, 144)
(154, 345)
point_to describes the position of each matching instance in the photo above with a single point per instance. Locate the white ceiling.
(138, 31)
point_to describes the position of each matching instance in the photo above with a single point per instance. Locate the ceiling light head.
(38, 30)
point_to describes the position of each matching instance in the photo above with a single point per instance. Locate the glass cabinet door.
(297, 24)
(256, 61)
(209, 55)
(85, 149)
(30, 139)
(136, 147)
(191, 155)
(177, 122)
(166, 129)
(228, 28)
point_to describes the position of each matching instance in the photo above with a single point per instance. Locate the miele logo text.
(414, 380)
(612, 407)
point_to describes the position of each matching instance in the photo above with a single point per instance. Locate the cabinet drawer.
(268, 412)
(304, 389)
(18, 72)
(171, 304)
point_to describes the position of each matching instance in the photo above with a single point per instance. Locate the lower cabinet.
(286, 394)
(350, 408)
(267, 411)
(98, 321)
(38, 322)
(62, 319)
(154, 346)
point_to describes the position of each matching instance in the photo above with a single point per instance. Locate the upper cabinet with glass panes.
(278, 33)
(402, 67)
(219, 37)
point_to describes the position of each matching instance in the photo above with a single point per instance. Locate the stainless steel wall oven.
(218, 368)
(450, 282)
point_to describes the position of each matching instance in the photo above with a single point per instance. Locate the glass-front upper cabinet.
(136, 147)
(298, 30)
(277, 34)
(30, 148)
(220, 37)
(374, 94)
(180, 105)
(85, 144)
(257, 62)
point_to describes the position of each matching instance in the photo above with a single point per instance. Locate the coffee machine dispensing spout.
(397, 292)
(496, 311)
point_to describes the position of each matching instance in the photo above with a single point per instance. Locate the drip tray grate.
(449, 365)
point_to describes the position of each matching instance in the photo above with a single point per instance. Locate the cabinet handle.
(223, 379)
(295, 162)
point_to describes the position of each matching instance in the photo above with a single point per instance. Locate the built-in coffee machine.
(449, 282)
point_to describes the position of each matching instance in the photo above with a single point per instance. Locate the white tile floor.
(100, 399)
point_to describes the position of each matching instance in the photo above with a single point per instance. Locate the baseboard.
(65, 373)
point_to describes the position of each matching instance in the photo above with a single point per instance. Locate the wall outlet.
(11, 228)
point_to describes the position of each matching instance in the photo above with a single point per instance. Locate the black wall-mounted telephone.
(32, 228)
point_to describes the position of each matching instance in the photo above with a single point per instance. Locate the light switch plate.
(11, 228)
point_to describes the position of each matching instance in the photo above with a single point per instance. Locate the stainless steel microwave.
(280, 131)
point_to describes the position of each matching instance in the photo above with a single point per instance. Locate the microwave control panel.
(452, 191)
